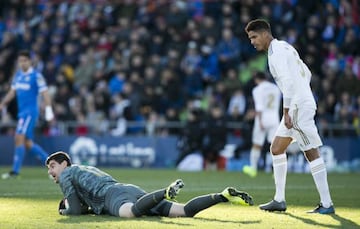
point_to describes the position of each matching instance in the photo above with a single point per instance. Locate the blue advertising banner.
(159, 152)
(103, 151)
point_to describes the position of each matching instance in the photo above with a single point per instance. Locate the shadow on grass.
(344, 223)
(105, 218)
(230, 221)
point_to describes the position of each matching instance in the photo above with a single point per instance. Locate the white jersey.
(291, 74)
(267, 101)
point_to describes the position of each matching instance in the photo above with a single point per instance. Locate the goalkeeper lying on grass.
(87, 189)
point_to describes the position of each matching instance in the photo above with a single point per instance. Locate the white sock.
(318, 171)
(254, 157)
(280, 170)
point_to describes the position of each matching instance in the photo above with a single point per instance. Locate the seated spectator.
(228, 50)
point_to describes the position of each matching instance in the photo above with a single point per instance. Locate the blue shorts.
(26, 125)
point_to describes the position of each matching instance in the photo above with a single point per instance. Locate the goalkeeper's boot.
(322, 210)
(9, 175)
(274, 206)
(173, 189)
(250, 171)
(237, 197)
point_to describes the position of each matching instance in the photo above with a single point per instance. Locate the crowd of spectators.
(112, 62)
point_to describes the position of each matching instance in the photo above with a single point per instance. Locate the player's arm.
(49, 114)
(8, 97)
(72, 202)
(73, 206)
(285, 77)
(259, 105)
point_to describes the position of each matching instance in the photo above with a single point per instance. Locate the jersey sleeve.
(74, 207)
(283, 72)
(41, 83)
(259, 105)
(66, 184)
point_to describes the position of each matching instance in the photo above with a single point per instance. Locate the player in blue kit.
(26, 85)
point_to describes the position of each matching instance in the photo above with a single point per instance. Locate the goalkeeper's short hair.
(59, 157)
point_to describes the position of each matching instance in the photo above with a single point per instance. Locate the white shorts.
(259, 135)
(304, 130)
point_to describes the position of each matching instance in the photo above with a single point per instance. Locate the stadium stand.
(152, 61)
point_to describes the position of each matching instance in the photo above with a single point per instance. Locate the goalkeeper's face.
(55, 169)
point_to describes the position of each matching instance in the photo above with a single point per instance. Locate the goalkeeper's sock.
(18, 158)
(318, 171)
(200, 203)
(146, 202)
(38, 152)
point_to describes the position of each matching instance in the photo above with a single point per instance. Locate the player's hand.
(287, 121)
(63, 205)
(49, 114)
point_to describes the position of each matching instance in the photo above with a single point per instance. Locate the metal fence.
(154, 128)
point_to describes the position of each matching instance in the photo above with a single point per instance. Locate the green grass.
(32, 201)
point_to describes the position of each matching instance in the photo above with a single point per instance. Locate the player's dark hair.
(260, 75)
(258, 25)
(59, 157)
(25, 53)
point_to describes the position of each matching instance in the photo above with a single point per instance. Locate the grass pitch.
(32, 201)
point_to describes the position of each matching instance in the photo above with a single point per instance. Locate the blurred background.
(146, 83)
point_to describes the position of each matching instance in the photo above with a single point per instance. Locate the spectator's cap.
(206, 49)
(59, 157)
(192, 45)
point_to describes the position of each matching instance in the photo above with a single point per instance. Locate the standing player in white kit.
(299, 107)
(266, 96)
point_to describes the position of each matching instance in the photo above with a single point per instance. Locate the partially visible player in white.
(299, 107)
(267, 98)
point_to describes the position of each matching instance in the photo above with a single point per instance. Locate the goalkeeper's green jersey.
(89, 183)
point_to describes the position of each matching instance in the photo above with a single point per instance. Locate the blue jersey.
(28, 85)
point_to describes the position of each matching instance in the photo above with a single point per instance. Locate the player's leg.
(30, 146)
(319, 173)
(120, 198)
(19, 153)
(200, 203)
(309, 141)
(278, 146)
(258, 138)
(36, 150)
(255, 154)
(308, 138)
(143, 205)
